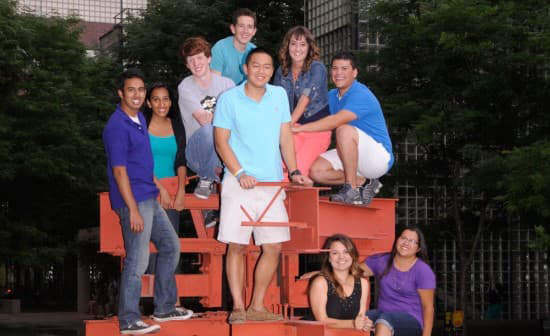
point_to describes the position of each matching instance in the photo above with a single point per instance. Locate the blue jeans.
(201, 154)
(158, 229)
(174, 217)
(401, 323)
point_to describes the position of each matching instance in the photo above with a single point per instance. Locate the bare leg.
(382, 330)
(346, 146)
(322, 172)
(265, 269)
(235, 273)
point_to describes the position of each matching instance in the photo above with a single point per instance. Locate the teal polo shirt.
(228, 60)
(255, 129)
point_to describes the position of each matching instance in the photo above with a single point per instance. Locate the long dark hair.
(422, 253)
(326, 267)
(148, 112)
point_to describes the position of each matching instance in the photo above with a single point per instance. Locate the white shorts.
(373, 159)
(254, 201)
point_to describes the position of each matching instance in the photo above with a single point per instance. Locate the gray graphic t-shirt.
(192, 97)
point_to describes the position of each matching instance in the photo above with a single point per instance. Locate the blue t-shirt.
(127, 144)
(164, 154)
(370, 119)
(255, 129)
(228, 60)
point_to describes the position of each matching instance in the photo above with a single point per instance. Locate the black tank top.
(343, 308)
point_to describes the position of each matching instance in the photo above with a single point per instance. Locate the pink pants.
(308, 147)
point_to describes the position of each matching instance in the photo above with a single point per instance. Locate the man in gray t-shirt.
(198, 94)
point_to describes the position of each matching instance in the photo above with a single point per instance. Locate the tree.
(466, 80)
(55, 103)
(152, 39)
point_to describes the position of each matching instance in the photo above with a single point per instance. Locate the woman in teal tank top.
(167, 137)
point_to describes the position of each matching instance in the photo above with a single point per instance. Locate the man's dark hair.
(345, 55)
(242, 12)
(130, 73)
(259, 50)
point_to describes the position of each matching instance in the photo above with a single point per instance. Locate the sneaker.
(256, 315)
(211, 218)
(177, 314)
(348, 195)
(204, 188)
(236, 317)
(140, 328)
(369, 190)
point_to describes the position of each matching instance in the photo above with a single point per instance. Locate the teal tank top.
(164, 155)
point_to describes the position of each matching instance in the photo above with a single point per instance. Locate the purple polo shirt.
(399, 290)
(127, 144)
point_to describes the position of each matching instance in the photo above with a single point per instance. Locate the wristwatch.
(295, 172)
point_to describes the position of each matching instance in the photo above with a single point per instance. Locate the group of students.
(231, 119)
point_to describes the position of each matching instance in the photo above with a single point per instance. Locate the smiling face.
(407, 244)
(244, 30)
(132, 95)
(339, 257)
(259, 69)
(343, 74)
(298, 48)
(160, 102)
(198, 64)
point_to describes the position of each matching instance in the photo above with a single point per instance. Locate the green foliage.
(152, 40)
(467, 80)
(55, 103)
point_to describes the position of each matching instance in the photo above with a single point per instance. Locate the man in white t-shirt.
(198, 94)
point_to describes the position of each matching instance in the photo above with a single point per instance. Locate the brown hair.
(242, 12)
(326, 267)
(422, 253)
(193, 46)
(312, 53)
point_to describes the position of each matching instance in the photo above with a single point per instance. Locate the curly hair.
(313, 52)
(326, 267)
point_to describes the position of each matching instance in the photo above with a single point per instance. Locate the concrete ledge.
(10, 306)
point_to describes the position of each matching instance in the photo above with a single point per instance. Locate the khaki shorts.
(254, 201)
(372, 160)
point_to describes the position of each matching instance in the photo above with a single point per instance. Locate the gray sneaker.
(204, 188)
(211, 218)
(178, 314)
(347, 195)
(369, 190)
(139, 328)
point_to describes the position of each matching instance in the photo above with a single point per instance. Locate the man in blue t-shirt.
(229, 54)
(363, 150)
(252, 130)
(133, 191)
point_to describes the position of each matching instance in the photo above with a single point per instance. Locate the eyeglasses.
(410, 241)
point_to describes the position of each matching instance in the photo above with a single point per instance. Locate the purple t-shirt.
(127, 144)
(398, 290)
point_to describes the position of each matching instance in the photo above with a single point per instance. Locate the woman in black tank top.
(338, 295)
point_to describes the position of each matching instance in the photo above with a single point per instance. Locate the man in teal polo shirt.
(229, 54)
(252, 130)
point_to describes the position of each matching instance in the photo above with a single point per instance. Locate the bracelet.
(295, 172)
(238, 172)
(238, 176)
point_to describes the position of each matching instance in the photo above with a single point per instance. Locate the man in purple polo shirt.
(133, 191)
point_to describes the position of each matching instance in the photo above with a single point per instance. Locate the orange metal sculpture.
(311, 220)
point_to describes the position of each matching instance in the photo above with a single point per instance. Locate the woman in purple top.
(406, 287)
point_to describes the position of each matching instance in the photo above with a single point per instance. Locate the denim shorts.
(400, 323)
